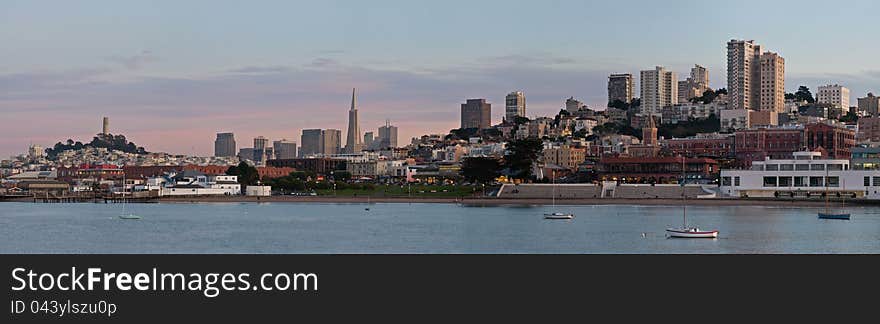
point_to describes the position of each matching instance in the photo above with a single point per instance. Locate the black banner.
(413, 287)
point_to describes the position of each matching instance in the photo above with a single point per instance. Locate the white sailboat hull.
(690, 233)
(558, 216)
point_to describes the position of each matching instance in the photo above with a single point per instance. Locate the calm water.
(423, 228)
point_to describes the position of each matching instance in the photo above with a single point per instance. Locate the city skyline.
(169, 87)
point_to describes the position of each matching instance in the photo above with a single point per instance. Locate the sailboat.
(827, 214)
(686, 231)
(556, 215)
(123, 215)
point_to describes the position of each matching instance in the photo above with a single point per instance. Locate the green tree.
(247, 174)
(480, 169)
(803, 94)
(521, 154)
(850, 117)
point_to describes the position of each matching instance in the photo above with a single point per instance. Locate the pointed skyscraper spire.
(353, 142)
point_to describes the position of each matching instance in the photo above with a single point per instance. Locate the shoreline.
(512, 201)
(496, 201)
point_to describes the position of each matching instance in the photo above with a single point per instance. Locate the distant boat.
(831, 215)
(686, 231)
(556, 215)
(123, 215)
(844, 216)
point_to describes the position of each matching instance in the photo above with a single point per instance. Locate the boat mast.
(683, 194)
(553, 179)
(826, 188)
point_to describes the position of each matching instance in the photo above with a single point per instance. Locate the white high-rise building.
(836, 95)
(515, 105)
(755, 79)
(695, 85)
(659, 88)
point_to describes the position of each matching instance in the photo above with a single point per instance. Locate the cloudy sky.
(171, 74)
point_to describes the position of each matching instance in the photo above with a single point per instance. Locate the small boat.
(690, 232)
(844, 216)
(559, 216)
(831, 215)
(123, 215)
(686, 231)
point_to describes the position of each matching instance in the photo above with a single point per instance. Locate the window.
(817, 167)
(800, 181)
(802, 167)
(786, 167)
(785, 181)
(876, 181)
(769, 181)
(725, 181)
(835, 167)
(736, 181)
(867, 182)
(816, 182)
(773, 167)
(833, 181)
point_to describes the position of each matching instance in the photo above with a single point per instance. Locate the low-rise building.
(806, 175)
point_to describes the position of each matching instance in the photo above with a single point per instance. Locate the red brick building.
(709, 145)
(758, 143)
(837, 141)
(779, 143)
(655, 169)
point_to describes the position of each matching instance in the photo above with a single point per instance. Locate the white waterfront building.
(807, 175)
(192, 183)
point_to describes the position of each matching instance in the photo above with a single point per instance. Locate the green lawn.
(407, 191)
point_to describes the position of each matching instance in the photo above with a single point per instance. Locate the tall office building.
(387, 136)
(353, 141)
(246, 153)
(368, 139)
(834, 94)
(284, 149)
(224, 145)
(772, 83)
(260, 142)
(659, 88)
(331, 141)
(262, 150)
(311, 142)
(620, 87)
(515, 105)
(476, 113)
(695, 85)
(755, 79)
(870, 105)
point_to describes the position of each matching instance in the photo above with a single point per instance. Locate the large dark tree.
(521, 154)
(247, 174)
(480, 169)
(803, 94)
(109, 141)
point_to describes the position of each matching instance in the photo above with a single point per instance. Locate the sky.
(172, 74)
